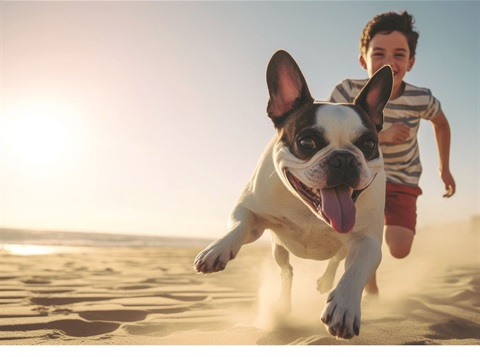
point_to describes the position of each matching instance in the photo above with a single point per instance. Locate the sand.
(151, 296)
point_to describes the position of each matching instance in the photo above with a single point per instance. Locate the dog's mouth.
(335, 205)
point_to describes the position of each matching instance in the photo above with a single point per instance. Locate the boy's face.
(388, 49)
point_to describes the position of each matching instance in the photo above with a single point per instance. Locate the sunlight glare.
(19, 249)
(38, 134)
(32, 249)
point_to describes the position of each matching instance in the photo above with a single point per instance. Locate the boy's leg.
(371, 288)
(400, 222)
(399, 240)
(400, 218)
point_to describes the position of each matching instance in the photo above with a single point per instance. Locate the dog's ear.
(287, 87)
(375, 94)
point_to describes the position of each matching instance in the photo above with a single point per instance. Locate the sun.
(38, 134)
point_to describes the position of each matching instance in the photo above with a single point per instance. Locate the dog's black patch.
(301, 134)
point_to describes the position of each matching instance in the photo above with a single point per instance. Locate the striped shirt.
(402, 161)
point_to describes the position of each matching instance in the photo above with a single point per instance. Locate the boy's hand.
(397, 133)
(449, 183)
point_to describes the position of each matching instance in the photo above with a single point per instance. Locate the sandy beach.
(152, 296)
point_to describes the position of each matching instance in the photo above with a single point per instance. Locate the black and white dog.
(319, 187)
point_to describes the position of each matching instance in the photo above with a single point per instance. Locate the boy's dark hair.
(387, 23)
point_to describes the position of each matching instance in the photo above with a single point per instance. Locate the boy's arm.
(442, 136)
(396, 134)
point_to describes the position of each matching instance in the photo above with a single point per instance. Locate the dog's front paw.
(215, 257)
(342, 315)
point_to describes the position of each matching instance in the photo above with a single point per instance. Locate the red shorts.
(401, 205)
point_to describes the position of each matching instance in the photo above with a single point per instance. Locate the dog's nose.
(343, 169)
(343, 161)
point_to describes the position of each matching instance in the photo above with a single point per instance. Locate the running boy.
(390, 39)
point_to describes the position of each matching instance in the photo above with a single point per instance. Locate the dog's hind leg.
(325, 282)
(282, 258)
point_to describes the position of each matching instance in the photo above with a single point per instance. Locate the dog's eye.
(369, 145)
(306, 142)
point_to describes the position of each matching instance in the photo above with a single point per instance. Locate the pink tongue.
(338, 207)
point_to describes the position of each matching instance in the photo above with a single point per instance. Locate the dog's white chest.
(313, 241)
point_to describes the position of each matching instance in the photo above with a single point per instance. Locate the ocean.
(20, 239)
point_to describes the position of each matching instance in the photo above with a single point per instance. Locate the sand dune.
(151, 296)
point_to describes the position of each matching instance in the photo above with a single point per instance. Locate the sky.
(150, 117)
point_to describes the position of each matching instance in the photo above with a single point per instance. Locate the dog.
(319, 187)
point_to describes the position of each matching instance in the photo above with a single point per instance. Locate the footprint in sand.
(74, 328)
(78, 328)
(457, 329)
(114, 315)
(36, 280)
